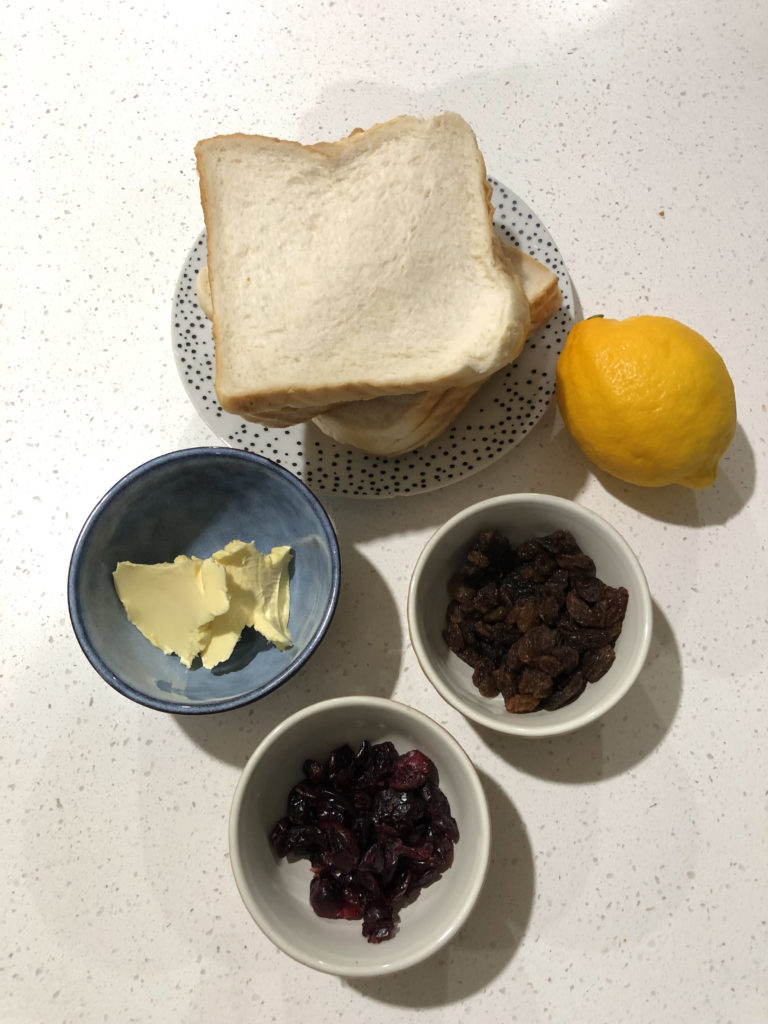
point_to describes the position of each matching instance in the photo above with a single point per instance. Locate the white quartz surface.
(629, 879)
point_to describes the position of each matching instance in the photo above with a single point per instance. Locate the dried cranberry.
(411, 771)
(378, 921)
(279, 837)
(377, 770)
(393, 809)
(341, 849)
(375, 827)
(338, 767)
(439, 812)
(325, 896)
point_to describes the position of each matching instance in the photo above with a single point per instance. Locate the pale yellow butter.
(197, 606)
(259, 597)
(171, 602)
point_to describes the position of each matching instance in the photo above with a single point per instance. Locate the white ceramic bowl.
(520, 517)
(276, 891)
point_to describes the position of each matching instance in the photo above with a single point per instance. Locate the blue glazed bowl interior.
(194, 502)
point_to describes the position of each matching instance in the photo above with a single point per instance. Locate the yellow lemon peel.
(647, 399)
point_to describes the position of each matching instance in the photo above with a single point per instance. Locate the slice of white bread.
(397, 424)
(350, 270)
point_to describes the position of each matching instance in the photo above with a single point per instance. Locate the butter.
(259, 597)
(199, 606)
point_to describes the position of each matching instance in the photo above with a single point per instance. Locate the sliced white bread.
(395, 424)
(398, 424)
(355, 269)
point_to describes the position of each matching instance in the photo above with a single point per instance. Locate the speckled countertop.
(629, 881)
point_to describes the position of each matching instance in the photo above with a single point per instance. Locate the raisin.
(512, 660)
(560, 542)
(572, 688)
(537, 641)
(549, 664)
(588, 588)
(535, 683)
(608, 609)
(496, 615)
(504, 681)
(454, 637)
(557, 586)
(484, 679)
(526, 612)
(508, 684)
(483, 629)
(539, 607)
(478, 559)
(576, 562)
(596, 663)
(521, 703)
(567, 656)
(461, 593)
(582, 638)
(471, 656)
(539, 569)
(486, 598)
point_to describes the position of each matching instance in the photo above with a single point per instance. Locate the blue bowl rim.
(75, 608)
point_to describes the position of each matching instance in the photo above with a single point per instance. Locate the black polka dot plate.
(496, 419)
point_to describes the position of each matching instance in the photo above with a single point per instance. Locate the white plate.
(496, 419)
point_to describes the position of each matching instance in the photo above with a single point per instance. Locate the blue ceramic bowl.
(194, 502)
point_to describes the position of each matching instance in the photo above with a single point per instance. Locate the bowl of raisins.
(530, 614)
(359, 836)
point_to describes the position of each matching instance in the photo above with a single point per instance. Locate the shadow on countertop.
(548, 461)
(492, 934)
(713, 506)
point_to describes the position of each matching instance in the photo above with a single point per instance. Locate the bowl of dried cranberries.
(359, 836)
(530, 614)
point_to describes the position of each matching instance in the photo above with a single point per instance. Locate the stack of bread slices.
(359, 284)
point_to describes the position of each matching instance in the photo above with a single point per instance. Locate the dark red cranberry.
(375, 827)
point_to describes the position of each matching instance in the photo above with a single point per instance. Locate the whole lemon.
(647, 399)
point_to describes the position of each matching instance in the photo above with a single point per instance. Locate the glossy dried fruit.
(411, 771)
(534, 622)
(376, 829)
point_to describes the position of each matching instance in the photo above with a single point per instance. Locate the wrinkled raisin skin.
(534, 622)
(376, 829)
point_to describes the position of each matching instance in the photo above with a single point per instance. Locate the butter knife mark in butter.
(197, 606)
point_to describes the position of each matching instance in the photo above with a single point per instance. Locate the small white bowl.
(276, 891)
(520, 517)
